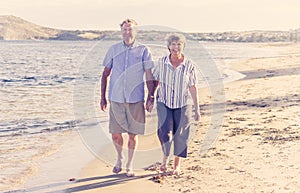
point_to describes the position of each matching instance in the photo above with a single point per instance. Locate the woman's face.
(176, 47)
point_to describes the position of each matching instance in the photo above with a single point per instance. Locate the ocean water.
(47, 89)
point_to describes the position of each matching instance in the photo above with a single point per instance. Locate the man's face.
(128, 32)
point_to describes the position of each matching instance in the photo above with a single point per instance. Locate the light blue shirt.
(174, 83)
(128, 65)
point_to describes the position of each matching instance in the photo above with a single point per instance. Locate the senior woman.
(176, 79)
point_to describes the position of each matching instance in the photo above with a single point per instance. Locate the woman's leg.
(177, 170)
(163, 166)
(181, 132)
(164, 132)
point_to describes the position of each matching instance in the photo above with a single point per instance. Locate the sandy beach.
(259, 143)
(257, 150)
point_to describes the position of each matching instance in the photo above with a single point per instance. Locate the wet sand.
(257, 149)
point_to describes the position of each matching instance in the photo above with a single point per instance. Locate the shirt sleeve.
(192, 78)
(155, 70)
(147, 59)
(108, 59)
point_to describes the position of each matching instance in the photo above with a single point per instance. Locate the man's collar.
(134, 44)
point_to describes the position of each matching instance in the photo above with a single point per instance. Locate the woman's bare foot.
(163, 167)
(177, 172)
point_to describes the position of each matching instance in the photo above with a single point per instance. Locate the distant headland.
(16, 28)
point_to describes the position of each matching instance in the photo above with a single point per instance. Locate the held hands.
(149, 103)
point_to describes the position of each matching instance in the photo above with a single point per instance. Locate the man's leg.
(132, 144)
(118, 142)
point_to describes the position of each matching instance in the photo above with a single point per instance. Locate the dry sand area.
(257, 150)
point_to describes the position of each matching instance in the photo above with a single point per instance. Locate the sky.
(182, 15)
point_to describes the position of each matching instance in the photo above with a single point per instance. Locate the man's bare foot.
(129, 170)
(118, 167)
(130, 173)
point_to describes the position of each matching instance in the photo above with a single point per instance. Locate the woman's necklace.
(176, 60)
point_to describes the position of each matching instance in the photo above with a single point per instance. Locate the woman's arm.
(193, 91)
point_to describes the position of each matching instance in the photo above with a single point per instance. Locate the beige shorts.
(127, 118)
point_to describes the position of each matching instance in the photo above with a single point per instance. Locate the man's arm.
(151, 86)
(103, 101)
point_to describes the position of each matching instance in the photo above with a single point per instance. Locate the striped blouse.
(174, 83)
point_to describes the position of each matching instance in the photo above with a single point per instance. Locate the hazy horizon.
(190, 16)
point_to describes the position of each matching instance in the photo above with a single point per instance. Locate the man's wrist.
(151, 98)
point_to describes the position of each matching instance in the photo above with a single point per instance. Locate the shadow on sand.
(87, 184)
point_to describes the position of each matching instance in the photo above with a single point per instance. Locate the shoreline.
(58, 169)
(75, 145)
(247, 150)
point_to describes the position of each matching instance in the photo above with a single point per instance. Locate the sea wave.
(34, 126)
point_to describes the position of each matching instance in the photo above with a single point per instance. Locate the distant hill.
(15, 28)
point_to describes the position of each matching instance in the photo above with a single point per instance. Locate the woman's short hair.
(177, 38)
(131, 21)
